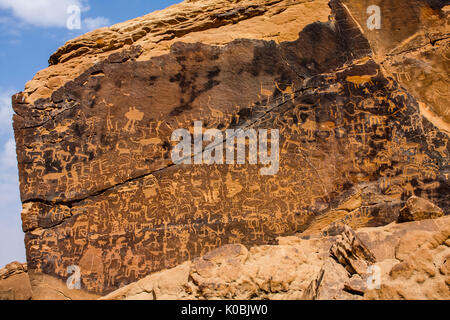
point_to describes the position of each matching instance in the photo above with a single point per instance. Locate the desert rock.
(14, 282)
(416, 209)
(357, 139)
(296, 268)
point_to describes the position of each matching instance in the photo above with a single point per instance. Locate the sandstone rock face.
(402, 261)
(93, 132)
(215, 22)
(412, 45)
(14, 282)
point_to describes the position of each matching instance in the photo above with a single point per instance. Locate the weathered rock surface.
(413, 46)
(417, 209)
(357, 139)
(14, 282)
(215, 22)
(351, 253)
(401, 261)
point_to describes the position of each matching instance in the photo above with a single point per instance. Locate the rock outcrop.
(14, 282)
(398, 261)
(357, 139)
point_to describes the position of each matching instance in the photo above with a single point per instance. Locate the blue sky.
(30, 31)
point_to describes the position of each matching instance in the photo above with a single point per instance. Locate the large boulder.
(105, 204)
(417, 209)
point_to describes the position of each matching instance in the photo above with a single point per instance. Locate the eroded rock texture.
(413, 47)
(14, 282)
(98, 185)
(398, 261)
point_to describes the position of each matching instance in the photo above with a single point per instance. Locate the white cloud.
(9, 179)
(49, 13)
(11, 235)
(43, 13)
(95, 23)
(6, 111)
(8, 158)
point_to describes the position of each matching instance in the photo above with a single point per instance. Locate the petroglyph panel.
(413, 46)
(332, 137)
(100, 190)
